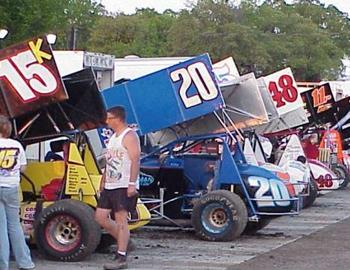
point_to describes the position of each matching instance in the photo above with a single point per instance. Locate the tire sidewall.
(90, 232)
(310, 199)
(340, 171)
(253, 227)
(236, 216)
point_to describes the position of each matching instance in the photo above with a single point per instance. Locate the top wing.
(83, 110)
(283, 90)
(168, 97)
(29, 78)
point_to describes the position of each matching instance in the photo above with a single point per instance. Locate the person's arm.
(22, 159)
(132, 144)
(102, 183)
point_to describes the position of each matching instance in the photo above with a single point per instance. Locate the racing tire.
(341, 172)
(253, 227)
(219, 216)
(309, 200)
(66, 231)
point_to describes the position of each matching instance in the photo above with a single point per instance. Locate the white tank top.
(118, 163)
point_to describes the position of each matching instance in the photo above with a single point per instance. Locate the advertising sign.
(320, 103)
(226, 72)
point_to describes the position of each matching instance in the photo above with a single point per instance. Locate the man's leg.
(121, 218)
(122, 241)
(4, 241)
(102, 214)
(15, 231)
(103, 219)
(118, 228)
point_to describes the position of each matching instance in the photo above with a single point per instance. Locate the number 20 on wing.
(198, 75)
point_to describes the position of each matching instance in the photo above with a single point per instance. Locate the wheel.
(342, 173)
(309, 200)
(66, 231)
(253, 227)
(219, 216)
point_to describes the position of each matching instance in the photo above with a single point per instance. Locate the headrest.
(57, 146)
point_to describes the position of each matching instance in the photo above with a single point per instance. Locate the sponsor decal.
(145, 179)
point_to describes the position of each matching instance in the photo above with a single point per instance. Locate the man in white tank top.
(119, 183)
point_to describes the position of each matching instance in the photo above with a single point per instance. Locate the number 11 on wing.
(198, 74)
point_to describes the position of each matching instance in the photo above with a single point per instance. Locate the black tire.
(219, 216)
(253, 227)
(105, 244)
(309, 200)
(341, 172)
(107, 241)
(67, 231)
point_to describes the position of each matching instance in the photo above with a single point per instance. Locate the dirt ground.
(159, 248)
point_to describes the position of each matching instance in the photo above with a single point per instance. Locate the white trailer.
(132, 67)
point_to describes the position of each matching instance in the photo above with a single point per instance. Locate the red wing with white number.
(29, 78)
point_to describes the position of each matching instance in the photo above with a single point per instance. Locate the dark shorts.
(116, 200)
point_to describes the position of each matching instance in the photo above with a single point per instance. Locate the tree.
(79, 17)
(26, 19)
(298, 36)
(262, 38)
(144, 33)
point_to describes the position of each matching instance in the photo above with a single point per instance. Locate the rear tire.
(66, 231)
(341, 172)
(219, 216)
(309, 200)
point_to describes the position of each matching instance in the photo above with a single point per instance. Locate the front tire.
(219, 216)
(253, 227)
(67, 231)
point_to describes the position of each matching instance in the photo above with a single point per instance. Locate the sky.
(130, 6)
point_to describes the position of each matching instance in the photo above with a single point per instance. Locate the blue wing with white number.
(168, 97)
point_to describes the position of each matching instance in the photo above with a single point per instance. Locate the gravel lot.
(174, 249)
